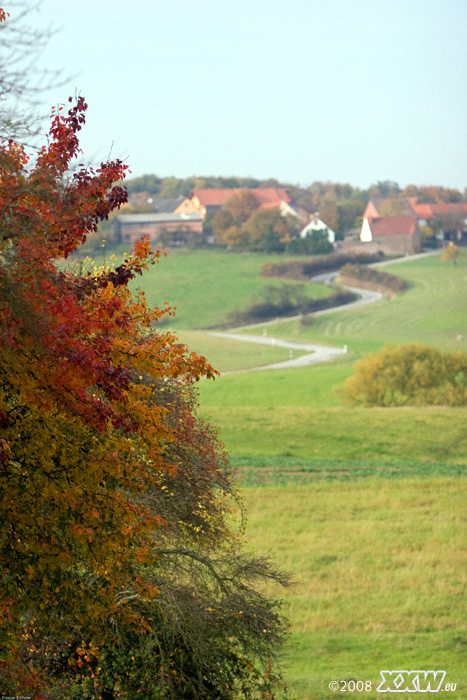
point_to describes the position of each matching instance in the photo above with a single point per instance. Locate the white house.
(317, 225)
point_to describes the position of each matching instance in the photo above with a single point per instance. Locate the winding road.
(317, 353)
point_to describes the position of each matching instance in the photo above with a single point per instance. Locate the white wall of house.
(317, 225)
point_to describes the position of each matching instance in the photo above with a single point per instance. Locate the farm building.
(393, 235)
(167, 228)
(447, 220)
(209, 201)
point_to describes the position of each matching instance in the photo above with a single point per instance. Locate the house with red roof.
(211, 200)
(448, 220)
(393, 235)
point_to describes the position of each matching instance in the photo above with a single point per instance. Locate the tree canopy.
(123, 574)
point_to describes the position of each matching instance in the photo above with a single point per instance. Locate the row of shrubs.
(371, 277)
(301, 270)
(286, 300)
(408, 375)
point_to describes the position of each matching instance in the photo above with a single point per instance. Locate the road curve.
(317, 353)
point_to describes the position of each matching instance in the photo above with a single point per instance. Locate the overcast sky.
(343, 90)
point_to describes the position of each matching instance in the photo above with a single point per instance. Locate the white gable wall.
(365, 234)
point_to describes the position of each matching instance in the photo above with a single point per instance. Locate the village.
(395, 225)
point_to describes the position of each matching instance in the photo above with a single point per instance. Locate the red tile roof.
(423, 211)
(271, 195)
(213, 198)
(428, 211)
(265, 195)
(393, 225)
(451, 208)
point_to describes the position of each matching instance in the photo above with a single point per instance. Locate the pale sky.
(342, 90)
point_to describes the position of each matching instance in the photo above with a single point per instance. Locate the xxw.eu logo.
(413, 682)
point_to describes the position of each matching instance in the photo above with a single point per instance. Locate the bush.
(409, 375)
(315, 244)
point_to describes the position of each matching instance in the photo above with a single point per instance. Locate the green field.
(366, 507)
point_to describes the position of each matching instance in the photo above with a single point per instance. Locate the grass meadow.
(366, 507)
(205, 285)
(380, 572)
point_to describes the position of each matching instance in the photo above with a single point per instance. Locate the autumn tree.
(350, 213)
(221, 221)
(122, 573)
(384, 189)
(268, 230)
(450, 253)
(328, 212)
(241, 206)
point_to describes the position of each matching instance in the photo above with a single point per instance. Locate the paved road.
(318, 353)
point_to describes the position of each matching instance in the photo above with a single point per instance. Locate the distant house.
(449, 219)
(174, 229)
(208, 201)
(394, 235)
(316, 224)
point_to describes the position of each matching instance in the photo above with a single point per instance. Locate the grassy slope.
(204, 285)
(298, 413)
(432, 311)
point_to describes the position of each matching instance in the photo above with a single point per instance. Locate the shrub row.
(260, 311)
(301, 270)
(383, 281)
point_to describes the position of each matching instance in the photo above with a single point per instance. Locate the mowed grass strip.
(263, 470)
(389, 434)
(381, 577)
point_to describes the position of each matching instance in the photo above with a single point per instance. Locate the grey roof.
(156, 218)
(164, 206)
